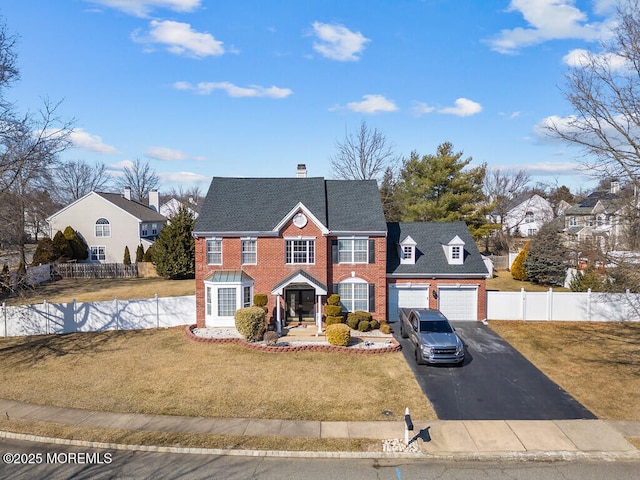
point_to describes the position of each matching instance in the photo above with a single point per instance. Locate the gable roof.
(258, 205)
(140, 211)
(431, 259)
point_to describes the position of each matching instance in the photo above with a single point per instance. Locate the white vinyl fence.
(564, 306)
(46, 318)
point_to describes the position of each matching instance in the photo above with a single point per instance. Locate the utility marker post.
(408, 426)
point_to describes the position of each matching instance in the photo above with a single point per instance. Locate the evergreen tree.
(127, 256)
(438, 188)
(588, 279)
(389, 197)
(139, 253)
(148, 255)
(79, 247)
(546, 261)
(174, 250)
(45, 252)
(61, 247)
(517, 268)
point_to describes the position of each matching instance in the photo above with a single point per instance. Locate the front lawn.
(504, 282)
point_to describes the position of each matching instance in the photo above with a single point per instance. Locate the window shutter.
(372, 297)
(372, 251)
(334, 288)
(334, 251)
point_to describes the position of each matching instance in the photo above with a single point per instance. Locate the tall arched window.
(103, 228)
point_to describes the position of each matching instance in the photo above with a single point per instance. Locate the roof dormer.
(454, 251)
(407, 251)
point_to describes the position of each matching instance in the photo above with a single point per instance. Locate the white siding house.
(109, 222)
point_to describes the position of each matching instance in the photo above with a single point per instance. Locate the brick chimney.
(301, 172)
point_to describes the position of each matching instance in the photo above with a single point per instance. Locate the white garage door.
(458, 303)
(414, 297)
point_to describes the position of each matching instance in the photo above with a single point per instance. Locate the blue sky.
(251, 88)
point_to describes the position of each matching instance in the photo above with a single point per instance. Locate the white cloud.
(142, 8)
(337, 42)
(180, 39)
(205, 88)
(547, 20)
(93, 143)
(421, 108)
(581, 58)
(181, 178)
(166, 154)
(463, 108)
(373, 104)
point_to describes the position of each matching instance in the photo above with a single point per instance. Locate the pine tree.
(174, 250)
(546, 261)
(61, 247)
(45, 252)
(517, 268)
(439, 188)
(79, 247)
(139, 253)
(587, 279)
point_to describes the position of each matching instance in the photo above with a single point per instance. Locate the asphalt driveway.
(495, 382)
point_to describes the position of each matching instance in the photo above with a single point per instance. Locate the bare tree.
(604, 92)
(363, 155)
(8, 65)
(30, 146)
(77, 178)
(501, 188)
(140, 177)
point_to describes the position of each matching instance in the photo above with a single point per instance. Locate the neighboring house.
(597, 219)
(526, 214)
(109, 222)
(172, 206)
(301, 239)
(435, 265)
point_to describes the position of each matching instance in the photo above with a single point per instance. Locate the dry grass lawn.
(597, 363)
(97, 290)
(162, 372)
(504, 282)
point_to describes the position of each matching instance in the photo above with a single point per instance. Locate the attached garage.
(458, 302)
(406, 296)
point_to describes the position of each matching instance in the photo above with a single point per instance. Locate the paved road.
(494, 383)
(143, 465)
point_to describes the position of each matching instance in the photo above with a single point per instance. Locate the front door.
(301, 305)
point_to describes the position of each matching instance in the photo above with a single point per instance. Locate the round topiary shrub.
(353, 319)
(385, 328)
(338, 334)
(364, 326)
(260, 299)
(333, 310)
(271, 338)
(251, 323)
(333, 299)
(374, 324)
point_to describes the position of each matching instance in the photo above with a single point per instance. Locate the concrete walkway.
(436, 438)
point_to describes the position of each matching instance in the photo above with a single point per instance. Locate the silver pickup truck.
(433, 338)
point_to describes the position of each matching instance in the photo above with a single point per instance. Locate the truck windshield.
(431, 326)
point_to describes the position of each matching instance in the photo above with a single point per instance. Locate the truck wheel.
(403, 334)
(419, 359)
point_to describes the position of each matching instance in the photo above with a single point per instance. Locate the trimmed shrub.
(374, 324)
(353, 320)
(362, 315)
(333, 309)
(127, 256)
(260, 299)
(333, 299)
(271, 338)
(334, 319)
(251, 323)
(139, 254)
(517, 268)
(338, 334)
(364, 326)
(385, 328)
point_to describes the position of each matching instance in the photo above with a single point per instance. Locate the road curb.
(466, 456)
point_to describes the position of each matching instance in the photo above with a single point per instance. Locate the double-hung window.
(354, 296)
(98, 254)
(353, 250)
(300, 251)
(214, 251)
(249, 249)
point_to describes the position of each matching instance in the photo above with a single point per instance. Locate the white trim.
(289, 216)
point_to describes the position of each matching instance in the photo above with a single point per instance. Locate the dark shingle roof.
(430, 254)
(137, 209)
(259, 204)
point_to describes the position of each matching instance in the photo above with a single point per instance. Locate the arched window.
(103, 228)
(528, 217)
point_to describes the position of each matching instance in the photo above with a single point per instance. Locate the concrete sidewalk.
(436, 438)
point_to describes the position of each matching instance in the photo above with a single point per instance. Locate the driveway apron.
(495, 382)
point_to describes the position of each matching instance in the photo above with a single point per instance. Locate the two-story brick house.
(296, 240)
